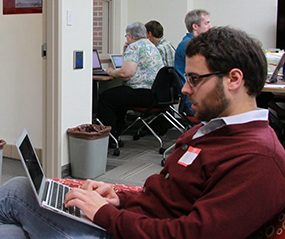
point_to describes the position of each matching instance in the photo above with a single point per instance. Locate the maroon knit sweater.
(235, 185)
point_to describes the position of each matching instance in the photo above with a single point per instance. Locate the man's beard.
(213, 104)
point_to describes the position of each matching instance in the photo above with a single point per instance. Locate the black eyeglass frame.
(192, 79)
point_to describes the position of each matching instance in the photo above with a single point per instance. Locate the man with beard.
(224, 179)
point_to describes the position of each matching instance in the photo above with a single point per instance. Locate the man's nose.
(187, 89)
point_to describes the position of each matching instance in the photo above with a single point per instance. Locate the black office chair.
(263, 101)
(186, 121)
(165, 92)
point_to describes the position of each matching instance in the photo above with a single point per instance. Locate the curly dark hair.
(226, 48)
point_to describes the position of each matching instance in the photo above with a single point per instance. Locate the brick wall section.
(97, 24)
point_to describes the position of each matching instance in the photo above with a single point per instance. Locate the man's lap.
(18, 206)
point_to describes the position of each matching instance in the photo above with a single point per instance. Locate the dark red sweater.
(235, 185)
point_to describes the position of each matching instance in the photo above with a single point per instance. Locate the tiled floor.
(10, 169)
(137, 160)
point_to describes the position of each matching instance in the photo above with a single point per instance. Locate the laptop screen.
(30, 159)
(96, 60)
(278, 67)
(117, 60)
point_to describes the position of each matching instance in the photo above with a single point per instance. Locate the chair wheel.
(116, 152)
(136, 137)
(162, 162)
(161, 150)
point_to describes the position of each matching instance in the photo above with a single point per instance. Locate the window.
(101, 25)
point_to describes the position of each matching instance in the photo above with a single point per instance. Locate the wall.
(20, 76)
(257, 17)
(168, 12)
(76, 91)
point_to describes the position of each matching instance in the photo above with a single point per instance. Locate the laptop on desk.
(117, 60)
(49, 193)
(97, 67)
(273, 78)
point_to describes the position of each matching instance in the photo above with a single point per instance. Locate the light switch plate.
(69, 17)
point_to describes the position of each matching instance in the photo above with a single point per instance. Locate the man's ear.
(195, 26)
(235, 79)
(150, 33)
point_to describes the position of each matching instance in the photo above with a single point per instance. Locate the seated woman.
(141, 62)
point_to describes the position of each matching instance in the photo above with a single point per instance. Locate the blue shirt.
(179, 64)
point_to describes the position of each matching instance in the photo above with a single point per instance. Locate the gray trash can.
(2, 143)
(88, 149)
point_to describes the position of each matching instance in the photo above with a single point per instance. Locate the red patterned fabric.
(75, 183)
(273, 230)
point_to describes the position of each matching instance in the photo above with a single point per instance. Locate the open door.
(67, 90)
(51, 89)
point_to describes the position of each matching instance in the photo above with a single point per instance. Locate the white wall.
(168, 12)
(256, 17)
(20, 76)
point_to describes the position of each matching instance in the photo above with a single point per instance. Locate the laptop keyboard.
(100, 72)
(57, 196)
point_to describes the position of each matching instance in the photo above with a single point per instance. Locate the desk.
(96, 91)
(278, 87)
(102, 78)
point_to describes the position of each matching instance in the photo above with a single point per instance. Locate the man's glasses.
(127, 34)
(193, 79)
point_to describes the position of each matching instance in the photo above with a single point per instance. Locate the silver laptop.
(50, 194)
(117, 60)
(97, 67)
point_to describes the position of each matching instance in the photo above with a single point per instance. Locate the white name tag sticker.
(189, 156)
